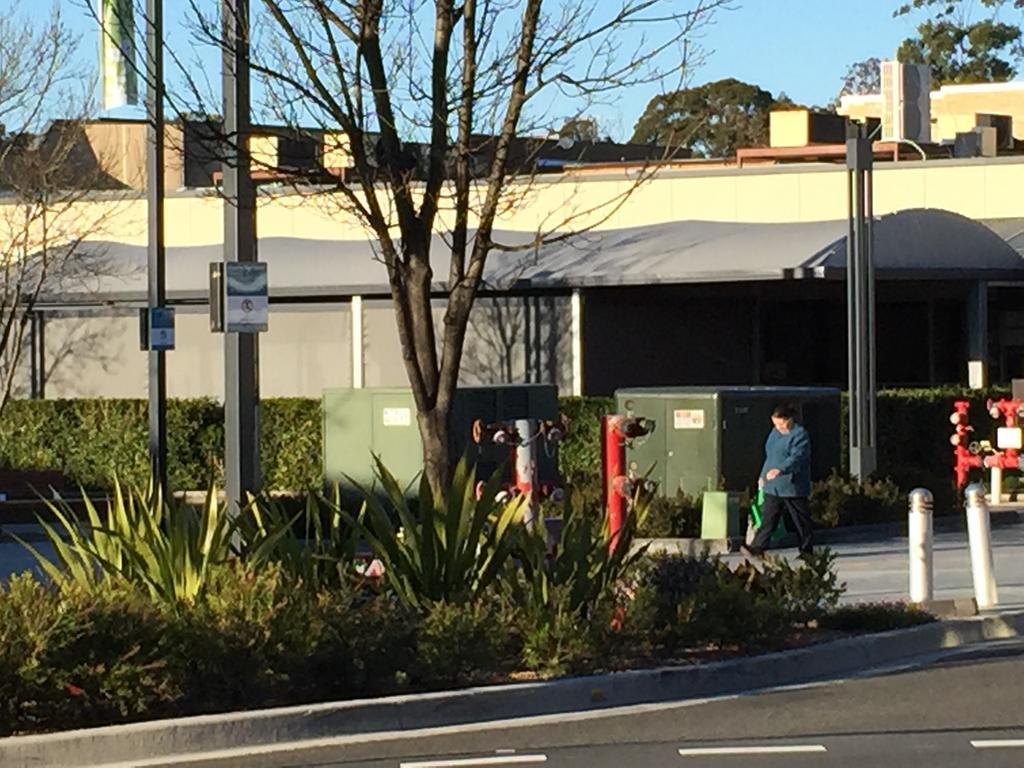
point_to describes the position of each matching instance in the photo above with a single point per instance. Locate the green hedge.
(88, 439)
(580, 455)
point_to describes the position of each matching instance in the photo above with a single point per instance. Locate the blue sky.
(801, 47)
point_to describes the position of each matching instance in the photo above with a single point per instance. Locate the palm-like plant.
(447, 549)
(165, 547)
(582, 566)
(317, 546)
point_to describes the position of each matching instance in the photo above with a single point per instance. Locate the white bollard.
(922, 581)
(979, 532)
(996, 485)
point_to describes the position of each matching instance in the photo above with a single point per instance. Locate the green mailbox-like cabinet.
(712, 438)
(361, 422)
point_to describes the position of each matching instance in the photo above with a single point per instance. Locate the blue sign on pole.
(161, 328)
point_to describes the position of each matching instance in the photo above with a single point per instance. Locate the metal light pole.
(156, 293)
(860, 299)
(241, 350)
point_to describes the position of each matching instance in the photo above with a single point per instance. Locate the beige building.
(955, 108)
(708, 273)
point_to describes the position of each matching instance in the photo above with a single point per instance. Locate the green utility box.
(721, 516)
(712, 438)
(361, 422)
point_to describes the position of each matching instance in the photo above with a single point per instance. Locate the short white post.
(996, 483)
(979, 532)
(920, 533)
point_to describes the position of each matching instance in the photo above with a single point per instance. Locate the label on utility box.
(1008, 437)
(688, 419)
(397, 417)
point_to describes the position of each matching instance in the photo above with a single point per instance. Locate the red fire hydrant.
(617, 431)
(965, 452)
(1010, 412)
(523, 438)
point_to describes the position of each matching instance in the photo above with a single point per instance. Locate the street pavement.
(963, 710)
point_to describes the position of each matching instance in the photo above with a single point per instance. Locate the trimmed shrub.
(579, 456)
(91, 439)
(840, 500)
(703, 600)
(457, 642)
(678, 517)
(875, 617)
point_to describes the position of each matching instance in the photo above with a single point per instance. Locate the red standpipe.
(616, 431)
(1009, 411)
(964, 459)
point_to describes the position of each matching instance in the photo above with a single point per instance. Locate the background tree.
(960, 48)
(862, 77)
(580, 129)
(714, 120)
(466, 79)
(46, 170)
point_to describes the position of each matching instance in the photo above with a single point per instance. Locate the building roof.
(913, 244)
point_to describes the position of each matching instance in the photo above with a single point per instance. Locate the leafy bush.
(678, 517)
(456, 641)
(702, 599)
(729, 611)
(75, 658)
(80, 658)
(840, 500)
(875, 617)
(579, 456)
(91, 440)
(556, 641)
(807, 590)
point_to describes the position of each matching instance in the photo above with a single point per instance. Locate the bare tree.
(47, 169)
(431, 101)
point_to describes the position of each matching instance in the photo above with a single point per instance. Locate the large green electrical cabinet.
(361, 422)
(709, 438)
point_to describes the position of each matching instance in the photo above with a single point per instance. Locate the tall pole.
(241, 350)
(156, 293)
(860, 297)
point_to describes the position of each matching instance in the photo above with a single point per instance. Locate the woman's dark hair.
(784, 411)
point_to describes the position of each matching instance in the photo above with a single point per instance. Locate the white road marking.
(998, 744)
(776, 750)
(474, 761)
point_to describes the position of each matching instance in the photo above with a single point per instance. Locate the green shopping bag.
(756, 516)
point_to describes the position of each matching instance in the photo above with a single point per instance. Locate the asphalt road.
(963, 711)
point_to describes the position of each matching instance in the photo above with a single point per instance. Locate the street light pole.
(241, 350)
(156, 293)
(860, 300)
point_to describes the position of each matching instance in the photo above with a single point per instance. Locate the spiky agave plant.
(445, 549)
(161, 545)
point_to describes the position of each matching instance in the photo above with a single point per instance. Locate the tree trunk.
(437, 459)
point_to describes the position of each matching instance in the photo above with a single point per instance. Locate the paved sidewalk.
(877, 570)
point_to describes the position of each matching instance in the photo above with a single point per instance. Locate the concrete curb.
(163, 739)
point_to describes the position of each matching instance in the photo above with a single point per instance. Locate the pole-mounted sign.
(239, 301)
(156, 329)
